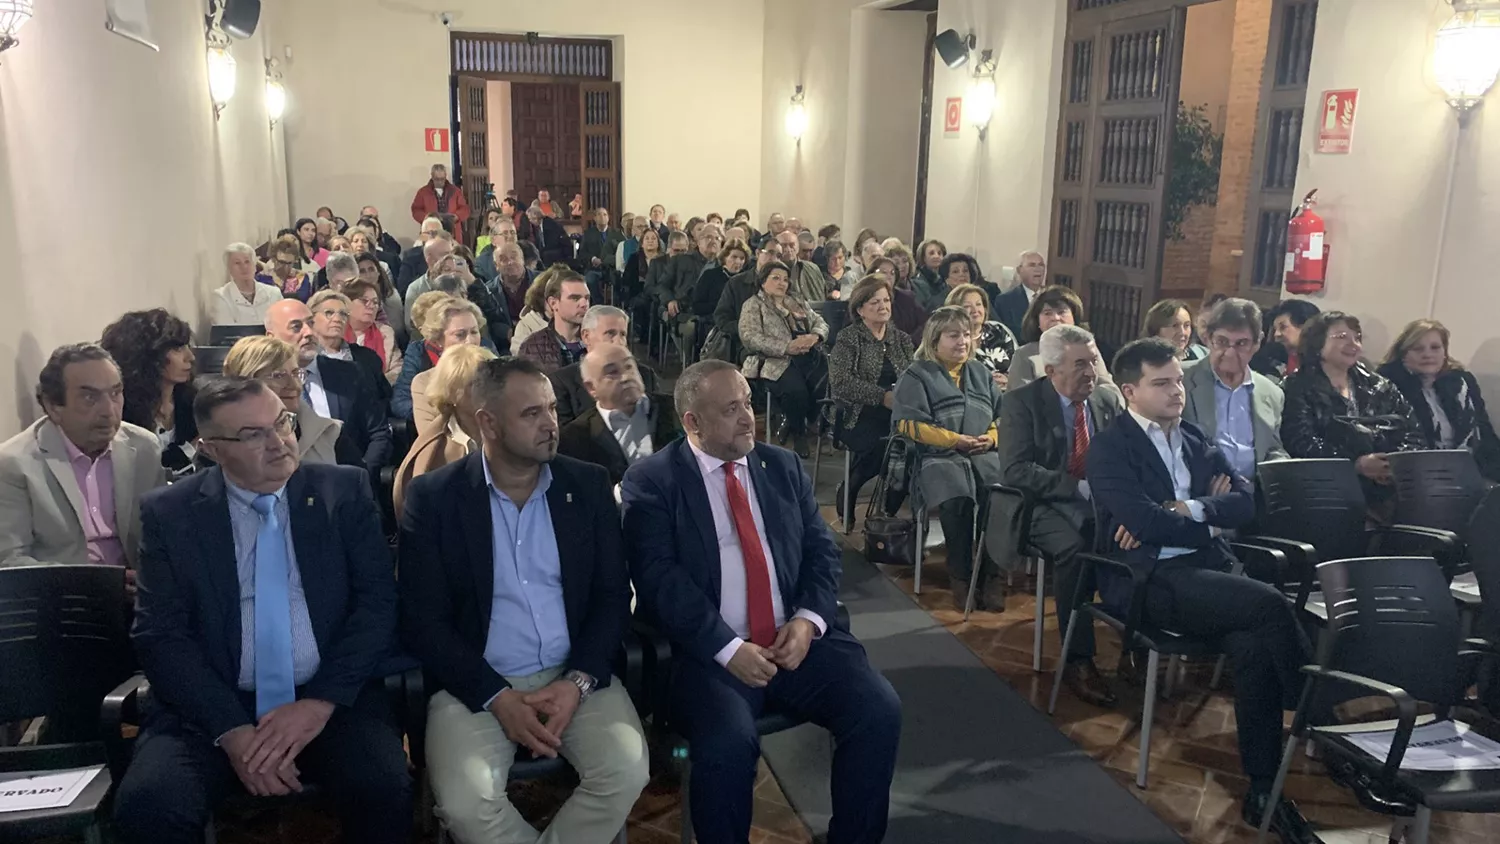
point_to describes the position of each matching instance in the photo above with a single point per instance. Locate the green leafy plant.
(1197, 151)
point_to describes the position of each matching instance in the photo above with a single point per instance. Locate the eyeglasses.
(368, 301)
(1341, 336)
(256, 438)
(293, 377)
(1244, 344)
(331, 313)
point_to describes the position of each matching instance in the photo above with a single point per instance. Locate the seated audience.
(1056, 305)
(339, 223)
(1171, 320)
(1238, 409)
(558, 344)
(89, 511)
(804, 279)
(1282, 359)
(287, 273)
(512, 280)
(483, 295)
(536, 314)
(1012, 306)
(994, 345)
(438, 253)
(948, 403)
(366, 330)
(547, 234)
(440, 196)
(868, 357)
(597, 252)
(837, 274)
(1444, 397)
(336, 389)
(740, 289)
(1332, 403)
(807, 244)
(494, 218)
(319, 438)
(330, 319)
(958, 268)
(1165, 496)
(705, 518)
(524, 660)
(926, 283)
(314, 253)
(1046, 428)
(502, 234)
(864, 251)
(782, 337)
(154, 352)
(683, 273)
(660, 274)
(391, 311)
(626, 423)
(454, 435)
(260, 630)
(413, 262)
(775, 225)
(603, 325)
(243, 300)
(446, 322)
(906, 313)
(709, 288)
(386, 247)
(906, 263)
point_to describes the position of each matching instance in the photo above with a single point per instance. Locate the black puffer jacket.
(1458, 396)
(1311, 424)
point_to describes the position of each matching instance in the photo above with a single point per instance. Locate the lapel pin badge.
(309, 501)
(568, 498)
(762, 464)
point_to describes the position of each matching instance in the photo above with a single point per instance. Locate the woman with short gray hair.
(243, 301)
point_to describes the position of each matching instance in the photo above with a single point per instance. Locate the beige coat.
(319, 436)
(529, 323)
(423, 414)
(765, 334)
(435, 448)
(40, 500)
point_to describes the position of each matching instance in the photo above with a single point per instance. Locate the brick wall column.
(1252, 26)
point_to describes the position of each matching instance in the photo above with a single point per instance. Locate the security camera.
(446, 18)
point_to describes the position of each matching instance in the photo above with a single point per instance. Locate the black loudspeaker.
(952, 47)
(241, 17)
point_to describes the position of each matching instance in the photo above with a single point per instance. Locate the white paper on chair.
(48, 791)
(1439, 746)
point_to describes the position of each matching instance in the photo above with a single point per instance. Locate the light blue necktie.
(307, 387)
(274, 684)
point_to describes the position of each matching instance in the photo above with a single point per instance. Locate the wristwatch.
(584, 682)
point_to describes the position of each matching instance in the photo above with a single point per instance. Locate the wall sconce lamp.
(13, 15)
(796, 116)
(222, 73)
(980, 103)
(275, 92)
(1466, 54)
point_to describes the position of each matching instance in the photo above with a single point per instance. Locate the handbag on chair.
(889, 539)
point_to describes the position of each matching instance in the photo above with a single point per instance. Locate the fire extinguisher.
(1306, 249)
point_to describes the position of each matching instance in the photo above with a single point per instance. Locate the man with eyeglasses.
(261, 629)
(1237, 408)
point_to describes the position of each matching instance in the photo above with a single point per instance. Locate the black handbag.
(889, 539)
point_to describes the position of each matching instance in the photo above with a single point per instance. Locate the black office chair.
(1441, 490)
(209, 360)
(225, 335)
(65, 644)
(993, 536)
(1394, 633)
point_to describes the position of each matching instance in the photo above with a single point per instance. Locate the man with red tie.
(733, 563)
(1046, 428)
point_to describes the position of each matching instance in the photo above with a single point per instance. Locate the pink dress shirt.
(96, 480)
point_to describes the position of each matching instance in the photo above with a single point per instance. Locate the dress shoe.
(1370, 794)
(1287, 822)
(960, 588)
(1132, 669)
(1083, 679)
(782, 432)
(799, 445)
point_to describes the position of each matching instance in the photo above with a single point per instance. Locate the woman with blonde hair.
(948, 403)
(445, 321)
(454, 435)
(1444, 397)
(994, 345)
(535, 315)
(273, 361)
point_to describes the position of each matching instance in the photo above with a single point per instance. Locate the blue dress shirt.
(528, 619)
(1236, 426)
(1169, 448)
(246, 524)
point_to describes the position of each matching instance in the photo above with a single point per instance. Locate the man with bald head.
(334, 388)
(603, 325)
(626, 423)
(1031, 276)
(806, 281)
(438, 253)
(413, 261)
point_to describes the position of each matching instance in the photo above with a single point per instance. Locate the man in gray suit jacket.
(71, 484)
(1045, 431)
(1239, 409)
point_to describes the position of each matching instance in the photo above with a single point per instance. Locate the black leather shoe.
(799, 445)
(1367, 791)
(1287, 822)
(1083, 679)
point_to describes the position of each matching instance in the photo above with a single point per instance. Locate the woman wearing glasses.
(365, 328)
(319, 439)
(287, 274)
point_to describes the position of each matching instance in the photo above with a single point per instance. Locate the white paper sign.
(1439, 746)
(49, 791)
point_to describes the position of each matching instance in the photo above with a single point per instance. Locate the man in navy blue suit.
(1166, 495)
(265, 603)
(733, 563)
(1010, 307)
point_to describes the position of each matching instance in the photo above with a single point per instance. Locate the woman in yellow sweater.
(948, 403)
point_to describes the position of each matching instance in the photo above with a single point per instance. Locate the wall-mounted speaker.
(241, 17)
(952, 47)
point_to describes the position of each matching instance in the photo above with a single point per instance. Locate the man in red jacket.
(439, 196)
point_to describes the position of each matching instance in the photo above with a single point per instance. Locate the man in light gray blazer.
(1239, 409)
(71, 483)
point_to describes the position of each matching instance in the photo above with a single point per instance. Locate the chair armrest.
(1406, 707)
(1473, 654)
(1301, 559)
(121, 707)
(1408, 540)
(656, 669)
(1259, 559)
(1138, 580)
(630, 668)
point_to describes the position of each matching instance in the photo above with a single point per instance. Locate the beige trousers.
(469, 759)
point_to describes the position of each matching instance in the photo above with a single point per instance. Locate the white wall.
(993, 198)
(884, 120)
(502, 162)
(1384, 202)
(118, 190)
(689, 73)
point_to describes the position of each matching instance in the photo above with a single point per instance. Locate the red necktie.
(757, 572)
(1080, 442)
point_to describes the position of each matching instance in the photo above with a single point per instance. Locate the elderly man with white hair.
(1045, 431)
(243, 301)
(1031, 276)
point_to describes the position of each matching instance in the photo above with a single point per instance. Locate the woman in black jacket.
(1333, 398)
(1444, 397)
(153, 350)
(710, 285)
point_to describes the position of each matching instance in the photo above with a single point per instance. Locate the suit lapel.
(50, 440)
(1204, 401)
(564, 504)
(1052, 419)
(772, 508)
(695, 498)
(1264, 418)
(479, 533)
(310, 531)
(1148, 451)
(220, 560)
(605, 440)
(122, 461)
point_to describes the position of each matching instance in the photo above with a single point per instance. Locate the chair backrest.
(1316, 501)
(210, 359)
(1484, 552)
(63, 638)
(1436, 489)
(1392, 619)
(225, 335)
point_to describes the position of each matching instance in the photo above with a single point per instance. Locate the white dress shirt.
(734, 605)
(1170, 450)
(313, 387)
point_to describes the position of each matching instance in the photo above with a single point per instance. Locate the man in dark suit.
(1045, 431)
(1165, 494)
(414, 260)
(1031, 276)
(627, 424)
(334, 388)
(602, 324)
(515, 597)
(549, 237)
(265, 603)
(734, 564)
